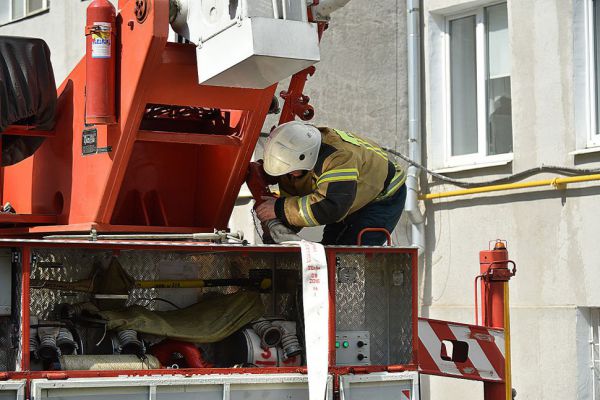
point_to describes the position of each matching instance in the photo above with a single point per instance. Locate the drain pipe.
(414, 125)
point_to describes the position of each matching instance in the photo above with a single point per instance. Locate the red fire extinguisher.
(100, 56)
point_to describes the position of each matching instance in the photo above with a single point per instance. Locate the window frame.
(482, 68)
(593, 130)
(27, 13)
(594, 350)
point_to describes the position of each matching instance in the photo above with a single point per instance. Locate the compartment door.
(12, 390)
(380, 386)
(169, 387)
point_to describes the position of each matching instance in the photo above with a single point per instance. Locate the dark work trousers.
(379, 214)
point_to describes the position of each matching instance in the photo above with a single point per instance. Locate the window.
(592, 384)
(13, 10)
(479, 125)
(594, 68)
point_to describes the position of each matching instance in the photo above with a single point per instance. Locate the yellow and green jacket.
(350, 173)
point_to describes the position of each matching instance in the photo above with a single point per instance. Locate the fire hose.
(164, 352)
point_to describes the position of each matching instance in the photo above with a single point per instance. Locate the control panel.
(352, 348)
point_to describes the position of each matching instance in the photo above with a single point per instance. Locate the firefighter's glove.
(281, 233)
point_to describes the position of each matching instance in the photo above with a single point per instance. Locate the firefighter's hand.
(266, 210)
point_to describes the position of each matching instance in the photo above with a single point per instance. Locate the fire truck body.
(372, 291)
(124, 281)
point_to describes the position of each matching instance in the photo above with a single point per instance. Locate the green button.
(337, 345)
(346, 344)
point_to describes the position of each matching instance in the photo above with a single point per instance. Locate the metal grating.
(374, 293)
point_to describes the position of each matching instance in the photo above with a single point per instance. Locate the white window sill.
(587, 150)
(480, 165)
(31, 14)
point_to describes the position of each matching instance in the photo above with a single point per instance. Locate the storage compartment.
(140, 309)
(211, 387)
(375, 309)
(380, 386)
(10, 309)
(134, 306)
(12, 390)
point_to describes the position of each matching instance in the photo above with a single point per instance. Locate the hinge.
(16, 257)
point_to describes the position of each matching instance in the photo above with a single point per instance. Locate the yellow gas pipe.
(557, 183)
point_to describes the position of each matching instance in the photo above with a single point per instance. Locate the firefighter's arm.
(330, 201)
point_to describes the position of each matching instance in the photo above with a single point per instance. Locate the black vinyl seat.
(27, 94)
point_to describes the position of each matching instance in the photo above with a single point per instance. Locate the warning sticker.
(101, 40)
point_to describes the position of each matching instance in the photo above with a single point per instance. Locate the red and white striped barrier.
(460, 350)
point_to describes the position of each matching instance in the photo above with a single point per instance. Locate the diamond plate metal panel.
(75, 264)
(5, 344)
(374, 293)
(14, 351)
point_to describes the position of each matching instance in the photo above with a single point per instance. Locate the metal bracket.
(296, 103)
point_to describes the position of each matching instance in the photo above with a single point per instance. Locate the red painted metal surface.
(258, 183)
(495, 273)
(296, 103)
(146, 179)
(100, 63)
(17, 219)
(385, 231)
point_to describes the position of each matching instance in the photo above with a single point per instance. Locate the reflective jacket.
(350, 173)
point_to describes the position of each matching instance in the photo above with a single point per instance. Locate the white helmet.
(291, 147)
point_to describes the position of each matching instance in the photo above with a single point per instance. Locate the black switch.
(360, 343)
(360, 357)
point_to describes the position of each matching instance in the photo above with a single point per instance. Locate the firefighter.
(333, 178)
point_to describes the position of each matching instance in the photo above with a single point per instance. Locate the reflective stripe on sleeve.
(305, 211)
(348, 174)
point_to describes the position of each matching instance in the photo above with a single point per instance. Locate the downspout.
(414, 125)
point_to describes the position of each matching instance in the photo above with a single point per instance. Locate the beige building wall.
(552, 234)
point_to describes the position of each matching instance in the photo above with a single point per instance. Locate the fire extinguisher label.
(101, 40)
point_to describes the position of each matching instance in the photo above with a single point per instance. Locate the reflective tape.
(397, 181)
(347, 174)
(306, 212)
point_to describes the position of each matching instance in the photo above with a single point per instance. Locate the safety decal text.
(101, 40)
